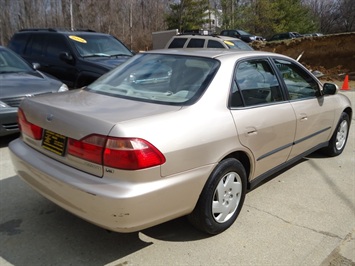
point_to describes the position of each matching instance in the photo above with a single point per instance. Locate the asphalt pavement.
(304, 215)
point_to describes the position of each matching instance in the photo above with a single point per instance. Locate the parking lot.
(302, 216)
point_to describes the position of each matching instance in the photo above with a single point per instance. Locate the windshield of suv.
(239, 45)
(98, 45)
(158, 78)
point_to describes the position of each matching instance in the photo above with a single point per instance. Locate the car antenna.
(299, 57)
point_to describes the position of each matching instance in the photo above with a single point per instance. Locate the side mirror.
(36, 66)
(329, 89)
(65, 56)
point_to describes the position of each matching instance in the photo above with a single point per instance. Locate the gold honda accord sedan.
(171, 133)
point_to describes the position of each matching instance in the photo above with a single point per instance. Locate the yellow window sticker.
(229, 43)
(78, 39)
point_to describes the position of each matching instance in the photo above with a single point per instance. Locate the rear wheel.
(337, 142)
(221, 199)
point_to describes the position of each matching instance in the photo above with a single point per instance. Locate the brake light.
(131, 154)
(121, 153)
(28, 128)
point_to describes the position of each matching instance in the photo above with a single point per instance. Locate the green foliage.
(262, 17)
(187, 15)
(291, 15)
(266, 17)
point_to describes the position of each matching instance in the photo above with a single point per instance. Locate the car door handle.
(304, 117)
(251, 131)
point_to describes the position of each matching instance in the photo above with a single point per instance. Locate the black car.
(285, 36)
(75, 57)
(18, 80)
(243, 35)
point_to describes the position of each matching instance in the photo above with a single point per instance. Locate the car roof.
(61, 31)
(211, 53)
(211, 37)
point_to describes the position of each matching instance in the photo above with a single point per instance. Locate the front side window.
(159, 78)
(255, 83)
(56, 44)
(298, 82)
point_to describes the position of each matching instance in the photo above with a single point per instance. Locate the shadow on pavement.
(34, 231)
(5, 140)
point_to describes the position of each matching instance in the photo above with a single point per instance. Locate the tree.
(263, 17)
(266, 17)
(187, 15)
(346, 16)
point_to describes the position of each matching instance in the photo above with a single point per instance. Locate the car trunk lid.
(78, 114)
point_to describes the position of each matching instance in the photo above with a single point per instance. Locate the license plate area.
(54, 142)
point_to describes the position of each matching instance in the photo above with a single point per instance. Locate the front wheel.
(337, 142)
(221, 199)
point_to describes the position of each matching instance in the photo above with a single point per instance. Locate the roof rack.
(198, 32)
(55, 29)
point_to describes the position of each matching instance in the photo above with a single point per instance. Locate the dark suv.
(285, 36)
(75, 57)
(243, 35)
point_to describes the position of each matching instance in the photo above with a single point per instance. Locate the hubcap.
(226, 197)
(341, 135)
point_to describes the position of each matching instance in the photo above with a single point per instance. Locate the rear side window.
(35, 45)
(178, 43)
(18, 43)
(255, 83)
(214, 44)
(196, 43)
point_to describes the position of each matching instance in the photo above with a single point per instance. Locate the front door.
(314, 113)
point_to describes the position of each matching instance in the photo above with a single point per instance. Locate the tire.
(340, 136)
(221, 199)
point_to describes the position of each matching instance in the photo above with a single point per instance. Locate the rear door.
(265, 121)
(196, 43)
(314, 113)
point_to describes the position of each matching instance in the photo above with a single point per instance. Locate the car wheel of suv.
(221, 199)
(337, 142)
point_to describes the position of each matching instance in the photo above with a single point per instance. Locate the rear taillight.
(121, 153)
(131, 154)
(28, 128)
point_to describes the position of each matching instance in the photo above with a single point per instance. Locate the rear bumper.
(116, 205)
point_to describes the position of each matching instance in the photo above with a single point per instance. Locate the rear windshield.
(159, 78)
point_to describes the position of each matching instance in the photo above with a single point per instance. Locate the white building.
(215, 20)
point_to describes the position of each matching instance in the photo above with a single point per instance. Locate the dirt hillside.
(333, 55)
